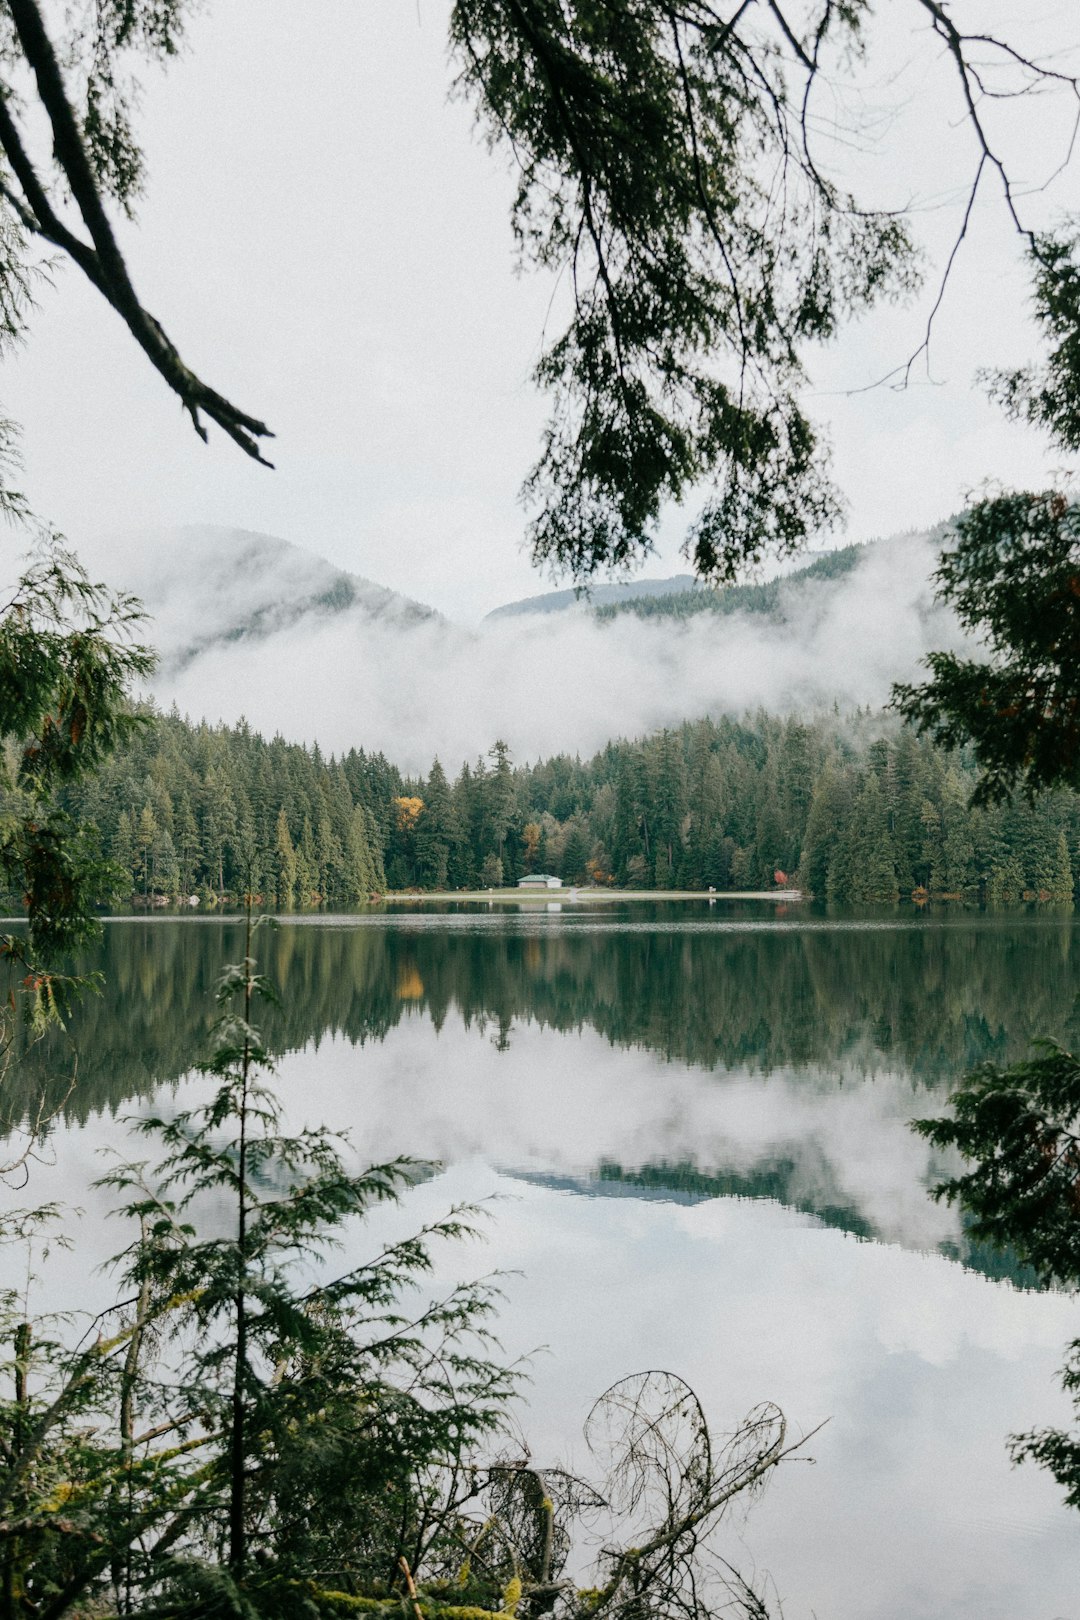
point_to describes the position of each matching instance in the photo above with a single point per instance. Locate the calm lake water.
(698, 1115)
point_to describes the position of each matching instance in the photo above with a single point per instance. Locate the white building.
(539, 880)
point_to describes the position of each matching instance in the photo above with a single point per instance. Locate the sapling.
(320, 1392)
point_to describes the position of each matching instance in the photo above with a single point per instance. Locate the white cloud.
(544, 683)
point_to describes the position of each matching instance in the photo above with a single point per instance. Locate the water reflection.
(696, 1121)
(729, 1056)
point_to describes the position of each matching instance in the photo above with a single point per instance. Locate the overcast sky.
(327, 241)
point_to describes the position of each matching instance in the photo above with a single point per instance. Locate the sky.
(326, 238)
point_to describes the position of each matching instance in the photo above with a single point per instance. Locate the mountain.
(250, 626)
(683, 595)
(631, 590)
(206, 587)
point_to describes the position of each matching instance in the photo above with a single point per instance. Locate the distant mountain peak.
(682, 595)
(206, 586)
(595, 595)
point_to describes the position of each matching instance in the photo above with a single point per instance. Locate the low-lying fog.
(241, 631)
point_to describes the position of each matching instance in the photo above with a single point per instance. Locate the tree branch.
(103, 263)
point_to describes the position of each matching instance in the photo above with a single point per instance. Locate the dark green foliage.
(1013, 578)
(769, 598)
(652, 148)
(250, 1422)
(66, 661)
(724, 803)
(1019, 1129)
(77, 1486)
(326, 1403)
(1049, 396)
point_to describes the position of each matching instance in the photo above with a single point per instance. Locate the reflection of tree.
(927, 999)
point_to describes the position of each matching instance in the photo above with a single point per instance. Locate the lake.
(696, 1116)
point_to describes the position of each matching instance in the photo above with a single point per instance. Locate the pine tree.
(307, 866)
(500, 809)
(574, 864)
(820, 868)
(362, 879)
(166, 867)
(145, 842)
(955, 872)
(331, 860)
(286, 863)
(438, 836)
(123, 848)
(1060, 886)
(872, 866)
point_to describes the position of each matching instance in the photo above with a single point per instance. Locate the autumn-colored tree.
(530, 844)
(407, 812)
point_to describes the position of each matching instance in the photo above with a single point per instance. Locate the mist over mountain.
(248, 625)
(681, 595)
(206, 587)
(621, 591)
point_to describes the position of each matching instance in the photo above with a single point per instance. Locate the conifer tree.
(364, 875)
(872, 869)
(286, 863)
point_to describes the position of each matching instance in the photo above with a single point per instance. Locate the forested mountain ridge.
(858, 810)
(208, 586)
(683, 595)
(778, 597)
(247, 627)
(602, 595)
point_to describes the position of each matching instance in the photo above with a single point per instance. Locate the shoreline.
(575, 895)
(405, 899)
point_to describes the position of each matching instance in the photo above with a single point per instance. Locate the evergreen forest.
(768, 597)
(855, 810)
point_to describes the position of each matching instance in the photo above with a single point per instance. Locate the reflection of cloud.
(568, 1104)
(381, 677)
(922, 1368)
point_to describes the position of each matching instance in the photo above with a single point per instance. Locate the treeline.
(842, 1002)
(852, 815)
(767, 597)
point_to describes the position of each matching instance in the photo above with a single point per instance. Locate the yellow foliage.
(407, 812)
(331, 1602)
(410, 985)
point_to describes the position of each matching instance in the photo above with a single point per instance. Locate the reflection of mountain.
(781, 1181)
(799, 1052)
